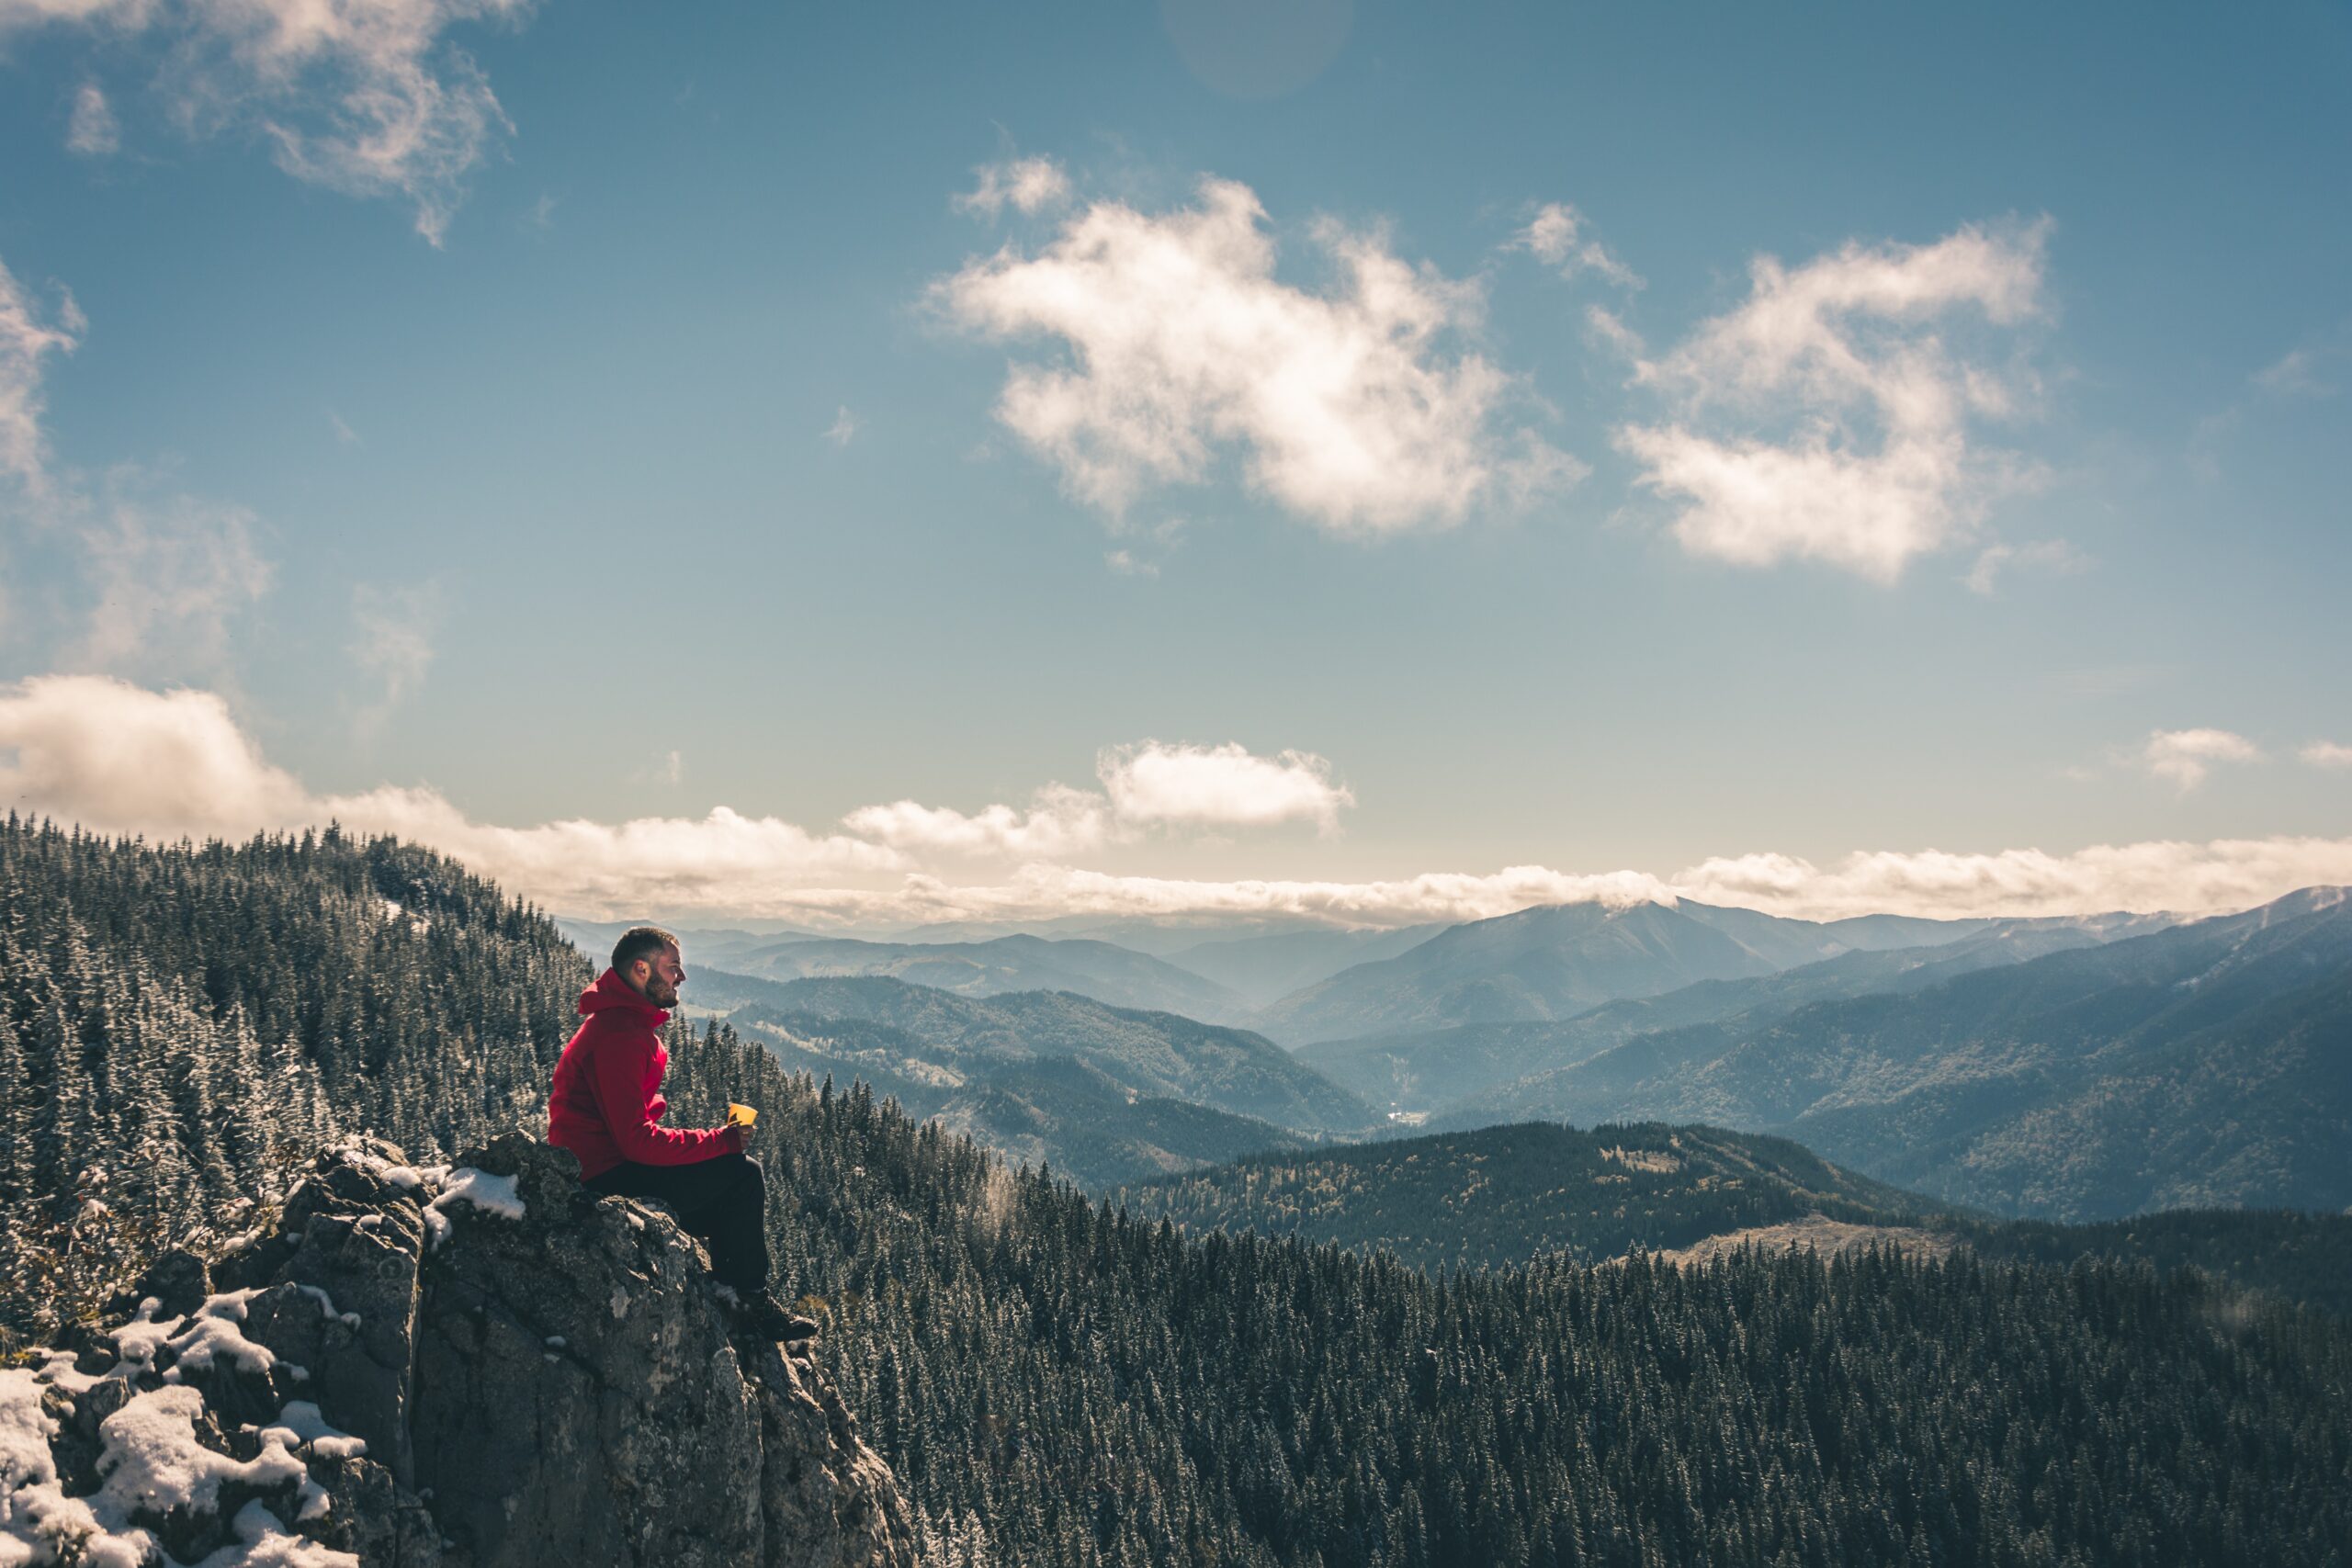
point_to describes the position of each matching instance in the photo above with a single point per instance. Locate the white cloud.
(1220, 786)
(344, 435)
(2186, 756)
(28, 336)
(119, 758)
(365, 97)
(843, 428)
(1127, 563)
(2224, 874)
(1556, 236)
(1343, 407)
(1614, 335)
(163, 575)
(2327, 754)
(2295, 374)
(2055, 556)
(1145, 785)
(1038, 892)
(1059, 822)
(391, 639)
(92, 131)
(1027, 184)
(168, 577)
(1872, 462)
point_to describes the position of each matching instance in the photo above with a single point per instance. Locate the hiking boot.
(775, 1321)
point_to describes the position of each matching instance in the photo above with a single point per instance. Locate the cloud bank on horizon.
(118, 758)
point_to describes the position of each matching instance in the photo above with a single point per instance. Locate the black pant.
(722, 1201)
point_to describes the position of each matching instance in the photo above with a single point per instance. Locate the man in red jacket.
(606, 1108)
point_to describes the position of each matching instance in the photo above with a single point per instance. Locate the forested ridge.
(1508, 1194)
(175, 1015)
(1056, 1381)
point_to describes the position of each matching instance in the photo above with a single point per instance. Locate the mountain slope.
(1504, 1195)
(1109, 973)
(702, 945)
(2209, 1063)
(1254, 1401)
(172, 1018)
(1415, 1073)
(1555, 962)
(1499, 1196)
(1152, 1055)
(1266, 967)
(1057, 1111)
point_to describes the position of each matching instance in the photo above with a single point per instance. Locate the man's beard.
(660, 993)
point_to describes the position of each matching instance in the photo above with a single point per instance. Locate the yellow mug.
(740, 1115)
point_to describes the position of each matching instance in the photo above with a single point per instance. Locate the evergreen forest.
(1058, 1379)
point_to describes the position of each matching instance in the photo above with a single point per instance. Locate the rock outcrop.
(483, 1367)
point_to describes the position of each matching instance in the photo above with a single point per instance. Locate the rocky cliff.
(478, 1366)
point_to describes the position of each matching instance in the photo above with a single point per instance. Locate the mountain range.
(1418, 1073)
(1102, 1094)
(2209, 1063)
(1099, 969)
(1558, 961)
(2069, 1067)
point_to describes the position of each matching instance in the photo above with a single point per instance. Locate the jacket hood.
(611, 992)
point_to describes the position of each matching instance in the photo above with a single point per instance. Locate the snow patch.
(491, 1194)
(58, 1371)
(151, 1464)
(405, 1177)
(264, 1544)
(25, 1430)
(301, 1422)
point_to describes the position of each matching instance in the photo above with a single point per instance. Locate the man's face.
(659, 977)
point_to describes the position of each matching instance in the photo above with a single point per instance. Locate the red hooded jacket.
(607, 1105)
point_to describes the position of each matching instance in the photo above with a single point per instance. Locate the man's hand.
(740, 1115)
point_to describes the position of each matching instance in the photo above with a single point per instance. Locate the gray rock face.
(361, 1241)
(582, 1396)
(488, 1367)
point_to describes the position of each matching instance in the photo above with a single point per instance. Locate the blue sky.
(631, 428)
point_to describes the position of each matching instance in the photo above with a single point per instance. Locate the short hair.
(639, 942)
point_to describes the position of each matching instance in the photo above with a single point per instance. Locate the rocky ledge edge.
(482, 1366)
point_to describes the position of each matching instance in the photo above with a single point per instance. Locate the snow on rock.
(301, 1421)
(562, 1387)
(214, 1332)
(494, 1194)
(155, 1466)
(24, 1431)
(364, 1158)
(159, 1484)
(262, 1542)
